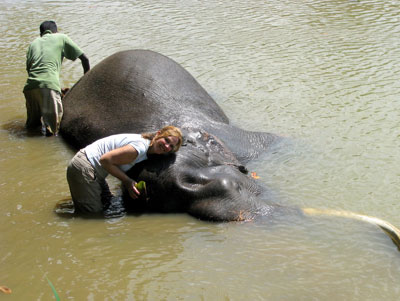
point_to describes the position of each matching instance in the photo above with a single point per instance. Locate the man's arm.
(85, 62)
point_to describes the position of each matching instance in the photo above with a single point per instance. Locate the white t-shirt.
(98, 148)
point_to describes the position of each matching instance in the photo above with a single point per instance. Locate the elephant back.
(134, 91)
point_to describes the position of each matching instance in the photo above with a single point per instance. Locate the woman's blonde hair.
(166, 131)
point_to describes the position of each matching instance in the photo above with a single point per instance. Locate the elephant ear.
(244, 145)
(216, 151)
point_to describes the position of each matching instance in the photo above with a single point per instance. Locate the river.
(324, 74)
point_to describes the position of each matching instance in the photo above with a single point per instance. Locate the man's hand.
(63, 92)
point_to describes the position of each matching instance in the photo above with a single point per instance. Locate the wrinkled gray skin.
(141, 91)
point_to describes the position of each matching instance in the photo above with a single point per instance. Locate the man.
(42, 89)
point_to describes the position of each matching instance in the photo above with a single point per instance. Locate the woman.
(114, 155)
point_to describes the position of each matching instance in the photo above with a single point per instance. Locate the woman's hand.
(130, 186)
(111, 161)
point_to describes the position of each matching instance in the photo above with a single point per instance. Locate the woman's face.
(164, 145)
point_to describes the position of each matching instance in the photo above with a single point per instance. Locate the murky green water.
(326, 74)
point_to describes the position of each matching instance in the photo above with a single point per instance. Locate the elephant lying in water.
(141, 91)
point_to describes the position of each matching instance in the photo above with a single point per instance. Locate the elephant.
(138, 91)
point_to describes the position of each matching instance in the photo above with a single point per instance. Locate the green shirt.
(44, 58)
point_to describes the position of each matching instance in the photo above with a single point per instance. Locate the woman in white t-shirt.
(114, 155)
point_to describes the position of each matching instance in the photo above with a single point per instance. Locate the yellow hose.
(388, 228)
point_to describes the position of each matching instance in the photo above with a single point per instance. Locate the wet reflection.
(17, 129)
(324, 73)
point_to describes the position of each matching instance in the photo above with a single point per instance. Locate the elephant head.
(203, 179)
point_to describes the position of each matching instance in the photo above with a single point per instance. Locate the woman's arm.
(120, 156)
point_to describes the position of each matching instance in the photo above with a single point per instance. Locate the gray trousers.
(43, 106)
(89, 192)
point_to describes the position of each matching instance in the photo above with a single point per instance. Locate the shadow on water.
(17, 129)
(275, 218)
(114, 209)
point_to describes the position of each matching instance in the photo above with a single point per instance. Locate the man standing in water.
(42, 89)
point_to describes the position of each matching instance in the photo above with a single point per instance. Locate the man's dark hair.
(48, 25)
